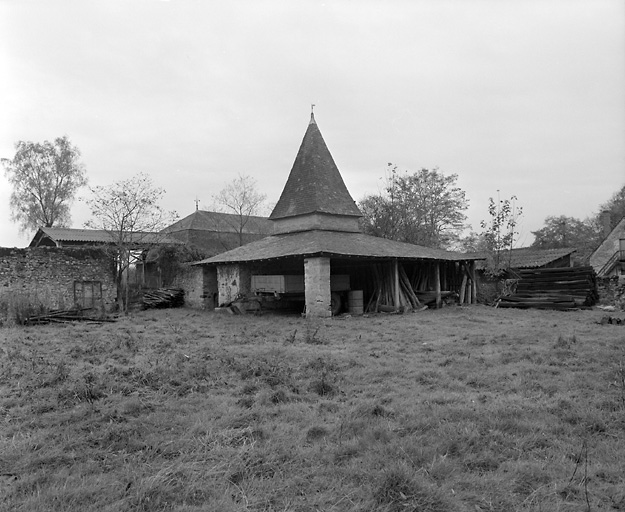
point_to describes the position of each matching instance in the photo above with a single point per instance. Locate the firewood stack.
(554, 288)
(163, 298)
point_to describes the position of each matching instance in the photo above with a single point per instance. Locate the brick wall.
(46, 275)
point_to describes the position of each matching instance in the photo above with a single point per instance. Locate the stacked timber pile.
(393, 291)
(163, 298)
(554, 288)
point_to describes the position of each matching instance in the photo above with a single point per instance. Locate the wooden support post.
(437, 283)
(396, 280)
(473, 283)
(463, 286)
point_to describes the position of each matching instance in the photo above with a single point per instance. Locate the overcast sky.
(525, 97)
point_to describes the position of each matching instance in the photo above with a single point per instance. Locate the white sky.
(525, 97)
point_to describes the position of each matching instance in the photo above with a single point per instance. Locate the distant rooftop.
(531, 257)
(70, 236)
(203, 220)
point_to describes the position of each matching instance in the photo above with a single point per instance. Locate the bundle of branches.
(393, 291)
(66, 315)
(163, 298)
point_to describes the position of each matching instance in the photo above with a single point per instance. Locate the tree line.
(424, 207)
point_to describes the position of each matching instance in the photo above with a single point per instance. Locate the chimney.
(606, 222)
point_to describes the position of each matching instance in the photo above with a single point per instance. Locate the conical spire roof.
(315, 184)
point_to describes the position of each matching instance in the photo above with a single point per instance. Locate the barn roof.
(93, 236)
(315, 184)
(202, 220)
(531, 257)
(331, 244)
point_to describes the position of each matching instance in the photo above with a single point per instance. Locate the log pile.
(393, 291)
(554, 288)
(163, 298)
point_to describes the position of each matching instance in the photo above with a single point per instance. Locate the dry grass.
(467, 409)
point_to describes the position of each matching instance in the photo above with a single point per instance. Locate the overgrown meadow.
(459, 409)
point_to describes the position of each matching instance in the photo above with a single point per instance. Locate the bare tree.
(130, 213)
(500, 232)
(45, 178)
(240, 198)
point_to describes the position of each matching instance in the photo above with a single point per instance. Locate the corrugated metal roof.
(334, 244)
(315, 184)
(97, 236)
(530, 257)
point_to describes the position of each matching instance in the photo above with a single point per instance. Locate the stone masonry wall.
(612, 291)
(191, 280)
(317, 284)
(233, 280)
(45, 276)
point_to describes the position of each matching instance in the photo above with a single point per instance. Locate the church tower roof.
(315, 185)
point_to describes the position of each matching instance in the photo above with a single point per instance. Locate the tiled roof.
(315, 184)
(202, 220)
(529, 257)
(84, 236)
(331, 243)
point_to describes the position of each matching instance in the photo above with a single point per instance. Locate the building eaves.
(331, 244)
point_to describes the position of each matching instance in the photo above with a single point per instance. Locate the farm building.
(66, 237)
(142, 271)
(609, 258)
(318, 253)
(214, 232)
(529, 257)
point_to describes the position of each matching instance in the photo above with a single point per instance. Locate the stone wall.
(54, 277)
(190, 278)
(612, 291)
(233, 280)
(317, 284)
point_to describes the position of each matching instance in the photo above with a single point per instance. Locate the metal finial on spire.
(312, 113)
(197, 202)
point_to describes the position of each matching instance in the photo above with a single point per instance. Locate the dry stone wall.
(55, 277)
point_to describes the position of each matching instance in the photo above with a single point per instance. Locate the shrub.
(17, 307)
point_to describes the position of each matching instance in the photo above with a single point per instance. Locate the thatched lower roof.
(332, 244)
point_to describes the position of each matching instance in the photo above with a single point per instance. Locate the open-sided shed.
(317, 236)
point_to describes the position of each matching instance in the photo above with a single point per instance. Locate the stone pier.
(317, 285)
(233, 279)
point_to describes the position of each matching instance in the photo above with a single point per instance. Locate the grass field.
(459, 409)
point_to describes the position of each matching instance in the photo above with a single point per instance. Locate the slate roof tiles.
(315, 184)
